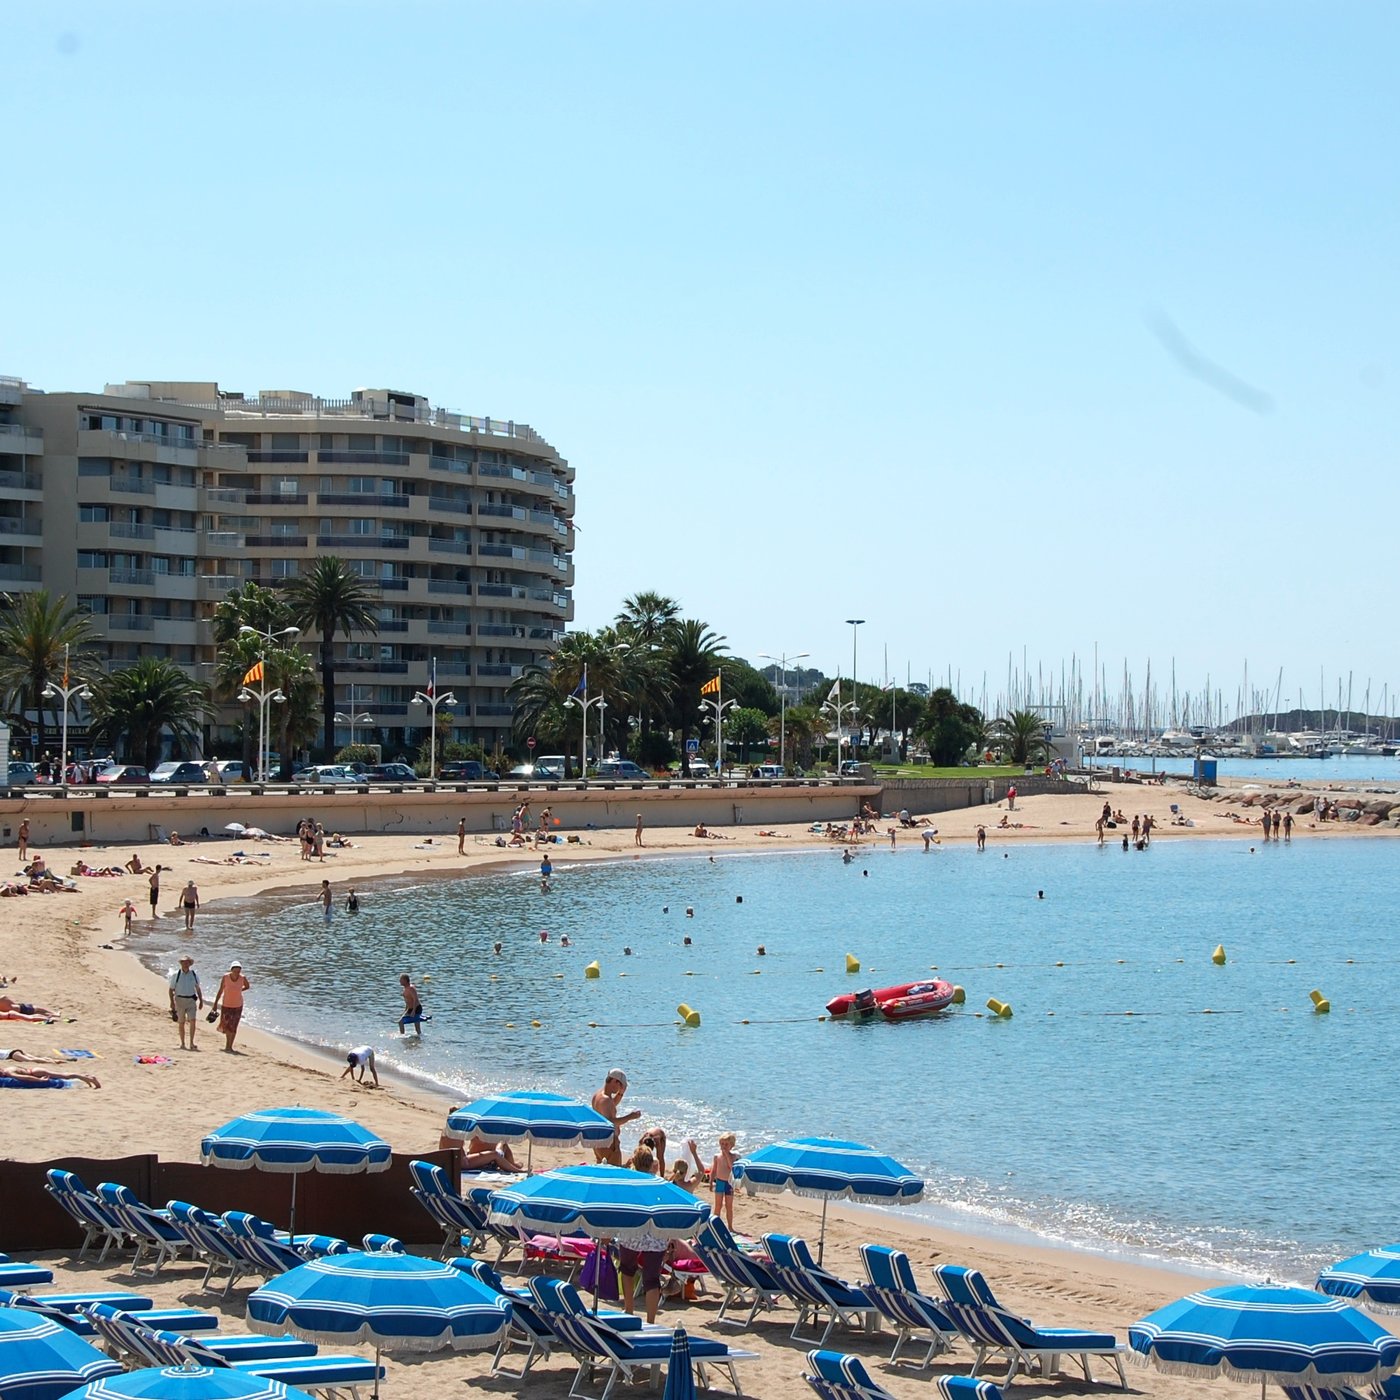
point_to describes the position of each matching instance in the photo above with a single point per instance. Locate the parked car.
(22, 773)
(622, 768)
(771, 770)
(123, 773)
(698, 768)
(186, 772)
(850, 768)
(233, 770)
(550, 766)
(391, 773)
(326, 774)
(466, 770)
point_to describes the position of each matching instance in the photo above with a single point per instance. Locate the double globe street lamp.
(432, 700)
(782, 662)
(264, 694)
(53, 691)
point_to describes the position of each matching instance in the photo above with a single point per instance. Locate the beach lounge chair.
(817, 1292)
(124, 1337)
(744, 1280)
(205, 1233)
(993, 1331)
(147, 1229)
(894, 1292)
(270, 1251)
(529, 1328)
(68, 1310)
(620, 1356)
(319, 1374)
(462, 1220)
(835, 1376)
(14, 1275)
(130, 1333)
(96, 1221)
(383, 1244)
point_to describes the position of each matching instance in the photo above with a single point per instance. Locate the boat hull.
(909, 1001)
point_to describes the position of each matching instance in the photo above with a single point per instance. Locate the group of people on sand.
(187, 1001)
(26, 1069)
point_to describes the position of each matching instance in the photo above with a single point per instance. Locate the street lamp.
(53, 691)
(782, 698)
(352, 721)
(836, 710)
(717, 707)
(263, 695)
(432, 700)
(853, 622)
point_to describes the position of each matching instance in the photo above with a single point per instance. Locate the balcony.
(19, 573)
(275, 498)
(224, 496)
(216, 587)
(139, 578)
(497, 668)
(375, 542)
(492, 709)
(125, 530)
(393, 624)
(133, 485)
(392, 584)
(275, 541)
(22, 439)
(364, 459)
(119, 622)
(450, 504)
(449, 464)
(21, 481)
(449, 585)
(381, 668)
(283, 455)
(21, 525)
(223, 539)
(438, 546)
(498, 512)
(449, 629)
(367, 501)
(496, 629)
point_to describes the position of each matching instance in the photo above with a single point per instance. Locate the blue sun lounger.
(146, 1228)
(816, 1292)
(836, 1376)
(895, 1293)
(69, 1309)
(14, 1275)
(462, 1221)
(743, 1279)
(94, 1218)
(127, 1333)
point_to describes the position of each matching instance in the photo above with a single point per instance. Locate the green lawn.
(928, 770)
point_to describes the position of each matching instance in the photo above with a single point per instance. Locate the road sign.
(529, 743)
(692, 746)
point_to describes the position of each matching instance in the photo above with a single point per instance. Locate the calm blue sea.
(1254, 1139)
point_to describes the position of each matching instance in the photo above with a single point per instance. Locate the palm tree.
(538, 694)
(35, 630)
(804, 724)
(643, 623)
(132, 708)
(1023, 734)
(692, 654)
(331, 599)
(250, 606)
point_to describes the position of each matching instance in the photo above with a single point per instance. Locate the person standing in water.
(412, 1006)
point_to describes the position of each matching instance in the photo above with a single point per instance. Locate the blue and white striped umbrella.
(1291, 1336)
(187, 1383)
(602, 1201)
(1373, 1277)
(530, 1116)
(295, 1140)
(680, 1375)
(832, 1170)
(39, 1360)
(398, 1302)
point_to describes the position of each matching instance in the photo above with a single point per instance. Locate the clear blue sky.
(1000, 325)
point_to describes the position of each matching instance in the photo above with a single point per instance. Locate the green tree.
(331, 599)
(643, 624)
(804, 725)
(132, 708)
(34, 630)
(749, 686)
(949, 727)
(746, 727)
(693, 655)
(1022, 736)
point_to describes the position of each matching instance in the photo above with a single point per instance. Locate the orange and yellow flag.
(710, 687)
(254, 674)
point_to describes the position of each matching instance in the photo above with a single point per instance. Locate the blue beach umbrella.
(530, 1116)
(39, 1360)
(399, 1302)
(1291, 1336)
(680, 1378)
(187, 1383)
(295, 1140)
(832, 1170)
(601, 1201)
(1373, 1277)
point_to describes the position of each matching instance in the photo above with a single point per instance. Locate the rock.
(1381, 807)
(1370, 819)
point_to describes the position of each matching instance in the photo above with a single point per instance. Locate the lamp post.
(263, 695)
(432, 700)
(582, 704)
(837, 710)
(54, 691)
(854, 623)
(782, 698)
(352, 721)
(717, 707)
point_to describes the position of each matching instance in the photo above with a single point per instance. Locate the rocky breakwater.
(1363, 809)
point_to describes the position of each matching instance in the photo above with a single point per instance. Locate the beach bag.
(600, 1275)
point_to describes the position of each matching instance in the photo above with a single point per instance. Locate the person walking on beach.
(637, 839)
(128, 913)
(155, 891)
(461, 836)
(361, 1059)
(23, 838)
(722, 1178)
(1011, 798)
(1288, 826)
(412, 1006)
(607, 1101)
(186, 996)
(327, 899)
(189, 901)
(982, 838)
(232, 985)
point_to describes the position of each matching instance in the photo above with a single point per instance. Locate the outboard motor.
(864, 1006)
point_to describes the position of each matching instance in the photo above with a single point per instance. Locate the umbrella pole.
(376, 1371)
(292, 1227)
(821, 1239)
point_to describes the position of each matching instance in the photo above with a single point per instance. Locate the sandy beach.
(66, 952)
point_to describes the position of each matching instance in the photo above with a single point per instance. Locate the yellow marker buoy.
(1059, 964)
(558, 976)
(536, 1024)
(688, 1014)
(593, 970)
(428, 978)
(959, 996)
(593, 1025)
(1320, 1003)
(999, 1008)
(1218, 957)
(510, 1025)
(852, 963)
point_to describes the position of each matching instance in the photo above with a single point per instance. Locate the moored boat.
(905, 1002)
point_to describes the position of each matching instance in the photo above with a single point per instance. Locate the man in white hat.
(607, 1101)
(186, 996)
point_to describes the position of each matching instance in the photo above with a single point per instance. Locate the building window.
(94, 604)
(286, 442)
(92, 559)
(361, 526)
(362, 483)
(282, 568)
(94, 466)
(94, 515)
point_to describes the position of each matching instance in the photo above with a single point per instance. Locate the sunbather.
(49, 1075)
(23, 1057)
(27, 1008)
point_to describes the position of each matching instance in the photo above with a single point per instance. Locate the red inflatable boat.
(902, 1003)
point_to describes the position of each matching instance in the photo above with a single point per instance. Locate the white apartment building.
(149, 501)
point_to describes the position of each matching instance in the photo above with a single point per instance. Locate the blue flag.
(582, 687)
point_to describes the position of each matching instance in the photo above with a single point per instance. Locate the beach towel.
(153, 1060)
(79, 1054)
(7, 1083)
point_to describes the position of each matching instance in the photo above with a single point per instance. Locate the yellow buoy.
(959, 996)
(427, 978)
(852, 963)
(688, 1014)
(510, 1025)
(593, 970)
(536, 1024)
(999, 1008)
(1320, 1003)
(1218, 957)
